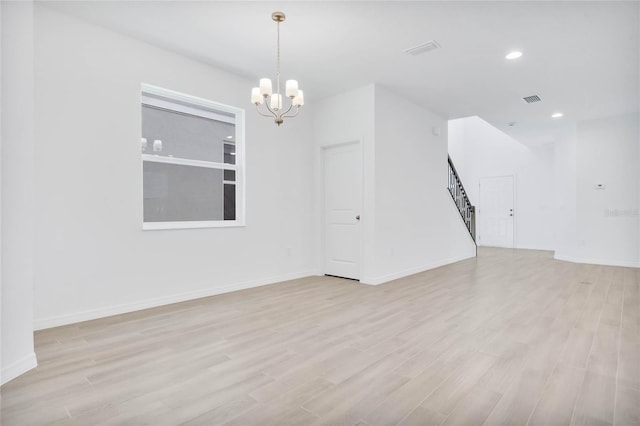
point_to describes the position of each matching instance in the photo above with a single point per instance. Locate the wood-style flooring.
(512, 337)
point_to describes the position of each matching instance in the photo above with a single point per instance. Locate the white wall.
(92, 257)
(410, 223)
(480, 150)
(417, 225)
(565, 176)
(557, 206)
(607, 219)
(17, 190)
(606, 226)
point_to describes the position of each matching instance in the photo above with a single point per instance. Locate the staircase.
(459, 195)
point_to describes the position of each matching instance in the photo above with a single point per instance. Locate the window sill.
(157, 226)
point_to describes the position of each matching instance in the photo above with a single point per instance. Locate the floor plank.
(558, 398)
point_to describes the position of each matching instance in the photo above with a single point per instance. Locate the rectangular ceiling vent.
(531, 99)
(423, 48)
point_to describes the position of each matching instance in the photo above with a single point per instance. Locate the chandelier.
(273, 101)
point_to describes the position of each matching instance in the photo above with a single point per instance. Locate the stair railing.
(460, 198)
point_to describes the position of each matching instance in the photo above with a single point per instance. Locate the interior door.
(342, 175)
(496, 211)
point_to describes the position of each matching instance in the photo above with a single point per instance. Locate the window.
(192, 161)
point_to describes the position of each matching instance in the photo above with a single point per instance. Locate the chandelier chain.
(278, 64)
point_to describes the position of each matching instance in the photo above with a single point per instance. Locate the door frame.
(515, 203)
(323, 224)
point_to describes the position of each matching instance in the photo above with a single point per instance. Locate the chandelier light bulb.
(256, 96)
(292, 88)
(265, 87)
(298, 101)
(276, 102)
(265, 95)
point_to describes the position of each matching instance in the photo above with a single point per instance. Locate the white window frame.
(238, 167)
(224, 143)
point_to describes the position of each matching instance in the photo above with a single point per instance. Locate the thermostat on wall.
(600, 186)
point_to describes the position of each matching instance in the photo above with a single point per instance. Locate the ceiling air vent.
(531, 99)
(423, 48)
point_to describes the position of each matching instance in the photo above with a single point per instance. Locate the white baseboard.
(18, 367)
(58, 320)
(607, 262)
(538, 248)
(411, 271)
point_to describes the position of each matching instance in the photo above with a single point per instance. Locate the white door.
(342, 170)
(496, 211)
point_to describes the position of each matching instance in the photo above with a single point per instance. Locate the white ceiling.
(581, 58)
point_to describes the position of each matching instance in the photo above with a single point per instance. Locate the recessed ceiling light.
(557, 115)
(229, 137)
(514, 55)
(513, 123)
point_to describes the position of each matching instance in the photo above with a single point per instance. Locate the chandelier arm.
(261, 113)
(292, 115)
(275, 114)
(284, 114)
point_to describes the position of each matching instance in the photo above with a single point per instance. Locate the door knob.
(358, 217)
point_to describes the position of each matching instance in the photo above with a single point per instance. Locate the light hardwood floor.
(512, 337)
